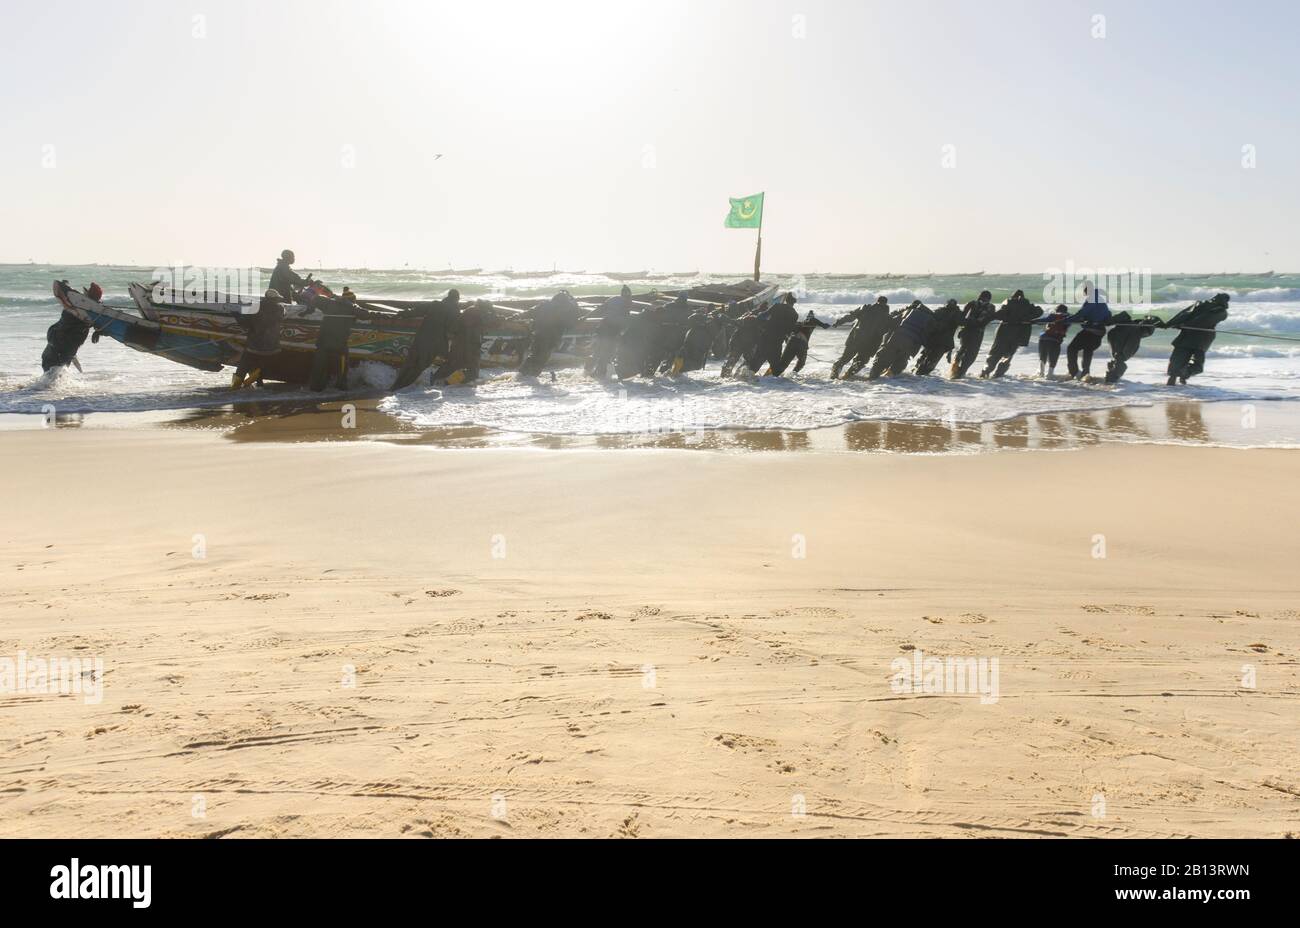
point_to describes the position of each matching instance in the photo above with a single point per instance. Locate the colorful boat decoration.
(211, 335)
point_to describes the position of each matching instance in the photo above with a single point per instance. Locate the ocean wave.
(897, 295)
(27, 300)
(1179, 292)
(572, 404)
(1221, 350)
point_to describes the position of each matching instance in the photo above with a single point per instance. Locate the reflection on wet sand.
(1186, 422)
(908, 437)
(1120, 422)
(49, 418)
(296, 420)
(1052, 432)
(361, 419)
(1011, 433)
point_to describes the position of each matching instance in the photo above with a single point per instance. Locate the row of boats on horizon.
(650, 275)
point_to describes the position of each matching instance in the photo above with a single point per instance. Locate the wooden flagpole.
(758, 252)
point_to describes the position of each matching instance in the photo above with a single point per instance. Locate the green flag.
(746, 213)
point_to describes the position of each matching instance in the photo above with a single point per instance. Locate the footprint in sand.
(1117, 609)
(630, 827)
(438, 594)
(743, 743)
(102, 730)
(257, 644)
(966, 618)
(1075, 675)
(821, 611)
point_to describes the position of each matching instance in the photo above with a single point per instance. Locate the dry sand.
(648, 657)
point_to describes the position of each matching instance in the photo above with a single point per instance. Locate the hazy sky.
(608, 135)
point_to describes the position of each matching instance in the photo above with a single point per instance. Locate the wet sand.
(1221, 424)
(387, 637)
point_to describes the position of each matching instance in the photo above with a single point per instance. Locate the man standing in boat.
(284, 279)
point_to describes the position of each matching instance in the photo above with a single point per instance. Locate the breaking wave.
(1178, 292)
(899, 295)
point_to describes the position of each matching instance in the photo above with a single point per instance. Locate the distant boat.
(625, 275)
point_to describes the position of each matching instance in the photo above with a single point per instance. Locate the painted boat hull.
(210, 336)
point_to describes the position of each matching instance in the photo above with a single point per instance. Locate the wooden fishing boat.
(211, 335)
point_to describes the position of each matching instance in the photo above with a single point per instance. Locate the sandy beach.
(369, 639)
